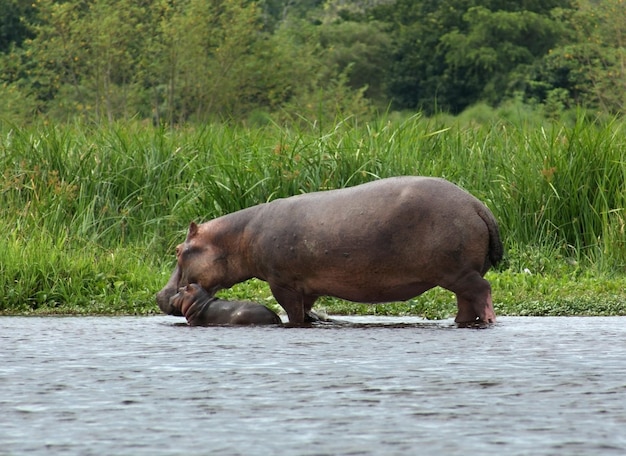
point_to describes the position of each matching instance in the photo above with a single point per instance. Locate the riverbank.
(92, 213)
(131, 291)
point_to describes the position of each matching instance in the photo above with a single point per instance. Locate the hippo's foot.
(474, 303)
(476, 324)
(469, 319)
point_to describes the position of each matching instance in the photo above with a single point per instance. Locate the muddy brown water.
(392, 386)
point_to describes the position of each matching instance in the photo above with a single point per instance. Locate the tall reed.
(69, 192)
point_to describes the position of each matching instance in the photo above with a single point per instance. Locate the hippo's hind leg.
(474, 302)
(295, 304)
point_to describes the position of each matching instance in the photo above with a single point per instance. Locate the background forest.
(179, 61)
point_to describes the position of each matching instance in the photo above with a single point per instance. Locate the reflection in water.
(394, 322)
(367, 385)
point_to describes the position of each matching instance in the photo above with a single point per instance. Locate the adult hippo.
(202, 309)
(387, 240)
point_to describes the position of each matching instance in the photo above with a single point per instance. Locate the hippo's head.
(186, 297)
(198, 260)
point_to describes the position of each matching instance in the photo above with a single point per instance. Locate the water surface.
(393, 386)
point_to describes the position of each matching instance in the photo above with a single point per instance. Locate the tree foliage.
(174, 61)
(454, 53)
(14, 20)
(590, 69)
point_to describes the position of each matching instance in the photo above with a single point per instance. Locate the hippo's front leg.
(295, 304)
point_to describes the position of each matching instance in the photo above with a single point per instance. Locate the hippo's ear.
(193, 230)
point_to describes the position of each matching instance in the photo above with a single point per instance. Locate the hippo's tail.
(496, 249)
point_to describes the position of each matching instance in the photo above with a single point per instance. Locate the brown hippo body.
(387, 240)
(201, 309)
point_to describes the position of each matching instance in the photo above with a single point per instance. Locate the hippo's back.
(396, 231)
(394, 193)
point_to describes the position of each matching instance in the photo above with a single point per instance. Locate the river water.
(392, 386)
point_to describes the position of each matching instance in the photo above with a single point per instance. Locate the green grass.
(92, 213)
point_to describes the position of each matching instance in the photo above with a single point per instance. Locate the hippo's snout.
(165, 300)
(165, 297)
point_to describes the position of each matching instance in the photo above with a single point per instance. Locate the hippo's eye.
(188, 251)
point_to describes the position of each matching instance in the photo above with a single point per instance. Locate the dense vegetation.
(171, 62)
(92, 213)
(123, 120)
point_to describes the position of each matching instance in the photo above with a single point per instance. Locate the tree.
(276, 12)
(14, 22)
(109, 59)
(302, 77)
(209, 53)
(362, 51)
(112, 31)
(52, 59)
(600, 52)
(480, 60)
(452, 53)
(590, 68)
(83, 57)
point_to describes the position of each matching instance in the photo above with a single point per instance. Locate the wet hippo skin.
(201, 309)
(387, 240)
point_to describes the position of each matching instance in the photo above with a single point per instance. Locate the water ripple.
(366, 385)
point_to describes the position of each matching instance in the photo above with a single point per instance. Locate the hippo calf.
(387, 240)
(201, 309)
